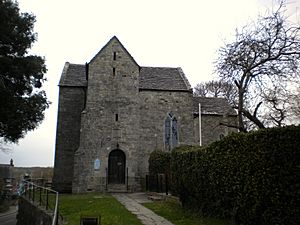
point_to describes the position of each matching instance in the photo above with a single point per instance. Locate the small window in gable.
(115, 55)
(114, 71)
(117, 117)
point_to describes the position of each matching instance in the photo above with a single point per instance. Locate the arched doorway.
(116, 167)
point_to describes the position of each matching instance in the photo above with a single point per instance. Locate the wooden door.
(116, 167)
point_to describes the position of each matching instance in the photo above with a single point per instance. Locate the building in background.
(7, 179)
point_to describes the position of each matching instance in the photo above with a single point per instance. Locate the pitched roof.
(163, 78)
(73, 75)
(151, 78)
(213, 106)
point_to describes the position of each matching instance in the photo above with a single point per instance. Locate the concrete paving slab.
(132, 202)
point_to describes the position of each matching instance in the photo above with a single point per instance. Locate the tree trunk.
(240, 110)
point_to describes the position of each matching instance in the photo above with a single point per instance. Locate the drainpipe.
(86, 71)
(200, 132)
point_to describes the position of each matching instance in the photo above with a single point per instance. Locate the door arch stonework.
(116, 167)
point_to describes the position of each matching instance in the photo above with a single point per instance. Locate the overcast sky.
(170, 33)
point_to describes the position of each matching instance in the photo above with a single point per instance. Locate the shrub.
(252, 178)
(159, 162)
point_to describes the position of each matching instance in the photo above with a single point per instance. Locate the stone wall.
(211, 129)
(154, 109)
(34, 172)
(110, 120)
(71, 104)
(116, 113)
(30, 214)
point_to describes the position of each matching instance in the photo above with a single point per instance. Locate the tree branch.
(254, 119)
(256, 108)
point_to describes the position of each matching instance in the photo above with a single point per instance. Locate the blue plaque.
(97, 164)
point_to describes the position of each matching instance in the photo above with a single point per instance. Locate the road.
(9, 219)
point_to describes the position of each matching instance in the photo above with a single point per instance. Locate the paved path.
(132, 203)
(9, 217)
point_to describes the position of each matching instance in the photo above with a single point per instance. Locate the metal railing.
(42, 196)
(127, 177)
(158, 183)
(106, 179)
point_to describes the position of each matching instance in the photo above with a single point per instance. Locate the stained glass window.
(174, 133)
(171, 132)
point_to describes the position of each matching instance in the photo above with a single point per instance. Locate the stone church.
(113, 113)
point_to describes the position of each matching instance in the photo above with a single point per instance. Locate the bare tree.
(294, 106)
(217, 89)
(4, 147)
(277, 106)
(201, 90)
(265, 54)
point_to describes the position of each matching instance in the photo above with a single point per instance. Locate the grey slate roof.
(73, 75)
(154, 78)
(151, 78)
(163, 78)
(213, 106)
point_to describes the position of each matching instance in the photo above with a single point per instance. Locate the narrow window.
(168, 133)
(174, 133)
(171, 132)
(117, 117)
(114, 71)
(115, 55)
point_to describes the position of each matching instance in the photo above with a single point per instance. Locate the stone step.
(156, 198)
(117, 188)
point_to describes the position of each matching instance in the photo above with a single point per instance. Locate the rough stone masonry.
(113, 113)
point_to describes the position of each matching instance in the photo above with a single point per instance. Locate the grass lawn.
(173, 212)
(111, 211)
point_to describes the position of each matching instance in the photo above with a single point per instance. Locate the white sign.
(97, 164)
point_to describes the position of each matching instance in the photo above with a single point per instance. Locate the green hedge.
(159, 162)
(252, 178)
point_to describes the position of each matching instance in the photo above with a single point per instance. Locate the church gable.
(113, 51)
(113, 60)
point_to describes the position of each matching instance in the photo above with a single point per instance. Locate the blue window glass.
(174, 133)
(167, 132)
(171, 132)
